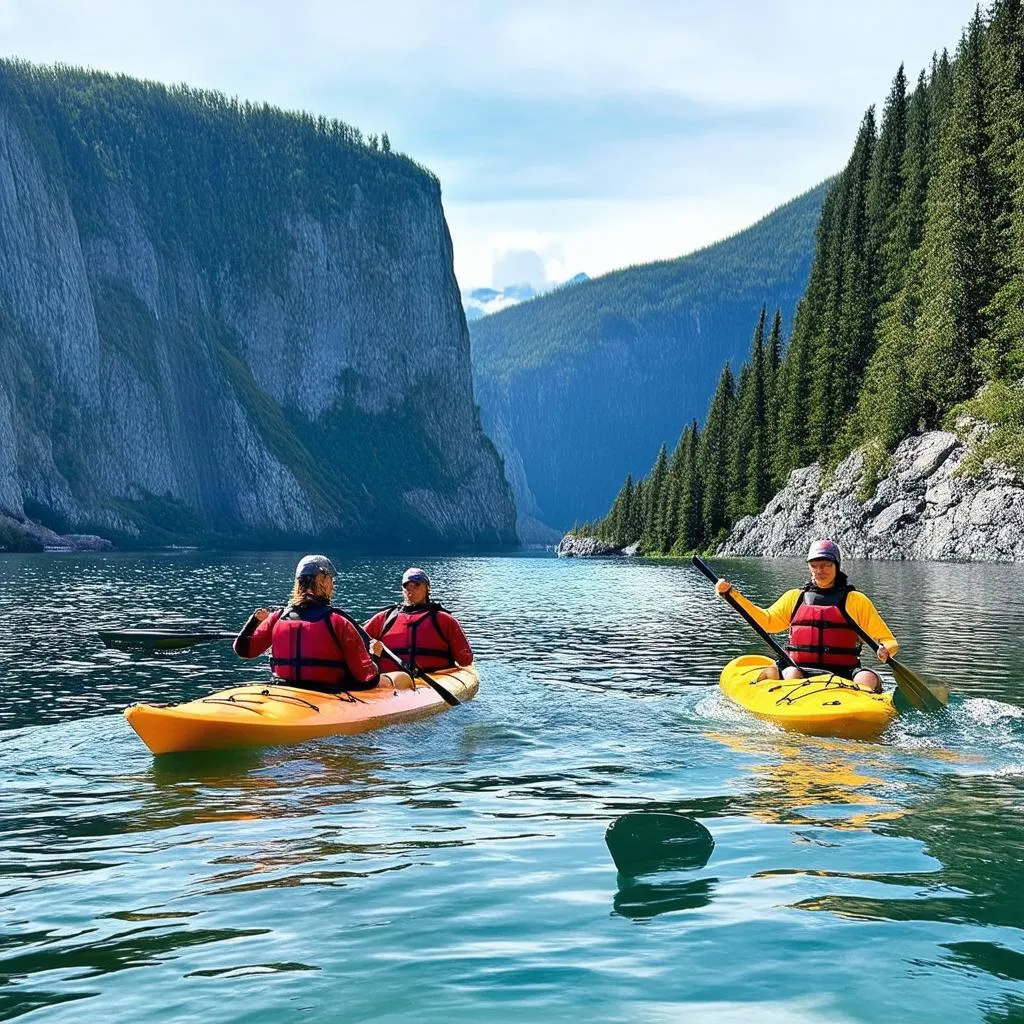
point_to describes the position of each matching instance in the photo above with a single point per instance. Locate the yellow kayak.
(268, 714)
(825, 705)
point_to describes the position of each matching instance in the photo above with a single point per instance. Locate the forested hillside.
(913, 314)
(225, 323)
(575, 385)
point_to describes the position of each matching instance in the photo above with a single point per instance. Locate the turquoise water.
(455, 868)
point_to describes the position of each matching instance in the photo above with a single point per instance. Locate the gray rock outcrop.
(49, 540)
(571, 546)
(925, 507)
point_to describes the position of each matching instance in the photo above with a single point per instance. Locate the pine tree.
(772, 393)
(792, 445)
(741, 438)
(689, 518)
(653, 530)
(940, 93)
(713, 458)
(622, 524)
(824, 308)
(638, 512)
(852, 349)
(749, 479)
(1001, 354)
(886, 189)
(957, 274)
(891, 402)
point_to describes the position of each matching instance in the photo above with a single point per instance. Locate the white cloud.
(622, 131)
(595, 236)
(519, 266)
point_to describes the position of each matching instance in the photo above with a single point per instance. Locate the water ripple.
(455, 868)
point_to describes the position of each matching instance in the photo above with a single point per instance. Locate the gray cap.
(313, 565)
(415, 575)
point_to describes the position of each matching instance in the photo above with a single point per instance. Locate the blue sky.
(594, 134)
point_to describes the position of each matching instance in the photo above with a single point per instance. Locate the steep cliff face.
(225, 323)
(925, 507)
(580, 387)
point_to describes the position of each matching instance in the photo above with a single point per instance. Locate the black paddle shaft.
(783, 657)
(414, 670)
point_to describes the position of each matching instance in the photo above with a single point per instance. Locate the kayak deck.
(823, 705)
(269, 714)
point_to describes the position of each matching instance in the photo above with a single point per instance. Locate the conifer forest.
(913, 315)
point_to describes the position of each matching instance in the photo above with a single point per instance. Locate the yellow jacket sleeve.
(864, 613)
(774, 619)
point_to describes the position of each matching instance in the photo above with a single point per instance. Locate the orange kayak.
(268, 714)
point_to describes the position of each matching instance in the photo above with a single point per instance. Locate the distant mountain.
(577, 387)
(481, 302)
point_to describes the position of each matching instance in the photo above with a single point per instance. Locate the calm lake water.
(455, 868)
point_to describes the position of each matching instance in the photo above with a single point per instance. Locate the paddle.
(917, 692)
(160, 639)
(412, 671)
(171, 639)
(911, 686)
(645, 841)
(783, 657)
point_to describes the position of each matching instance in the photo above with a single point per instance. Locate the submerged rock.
(926, 507)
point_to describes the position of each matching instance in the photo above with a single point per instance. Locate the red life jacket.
(305, 649)
(820, 634)
(416, 637)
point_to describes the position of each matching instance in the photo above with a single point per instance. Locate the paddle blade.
(159, 639)
(653, 841)
(922, 695)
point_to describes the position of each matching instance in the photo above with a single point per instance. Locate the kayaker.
(418, 630)
(818, 619)
(311, 644)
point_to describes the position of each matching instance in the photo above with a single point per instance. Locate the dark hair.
(312, 590)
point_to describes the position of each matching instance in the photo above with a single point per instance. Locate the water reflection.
(980, 852)
(812, 780)
(643, 900)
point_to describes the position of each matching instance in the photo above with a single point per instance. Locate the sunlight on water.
(455, 868)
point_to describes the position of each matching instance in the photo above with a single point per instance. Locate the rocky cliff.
(929, 505)
(229, 324)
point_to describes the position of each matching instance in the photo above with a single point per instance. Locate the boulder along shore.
(927, 506)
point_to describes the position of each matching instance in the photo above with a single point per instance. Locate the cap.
(415, 575)
(825, 549)
(313, 565)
